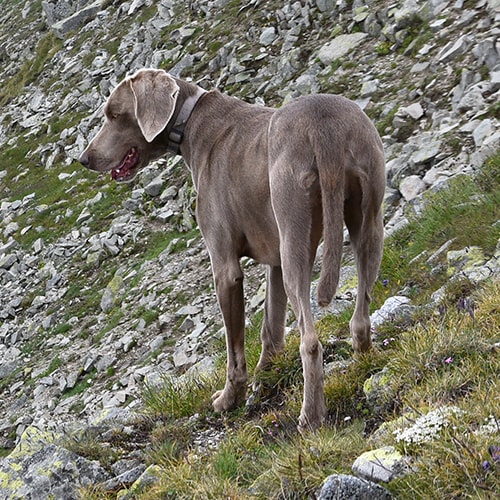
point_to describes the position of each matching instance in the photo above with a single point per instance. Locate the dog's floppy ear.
(155, 93)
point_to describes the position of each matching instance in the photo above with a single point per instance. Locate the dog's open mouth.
(126, 171)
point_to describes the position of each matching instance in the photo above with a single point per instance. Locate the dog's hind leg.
(228, 279)
(363, 218)
(273, 326)
(294, 215)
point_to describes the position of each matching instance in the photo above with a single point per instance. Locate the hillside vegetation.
(111, 341)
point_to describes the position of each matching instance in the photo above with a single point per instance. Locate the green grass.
(176, 399)
(464, 212)
(31, 69)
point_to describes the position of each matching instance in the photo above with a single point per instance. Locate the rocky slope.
(104, 287)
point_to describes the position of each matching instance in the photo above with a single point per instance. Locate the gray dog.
(271, 183)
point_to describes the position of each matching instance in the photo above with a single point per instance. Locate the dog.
(271, 183)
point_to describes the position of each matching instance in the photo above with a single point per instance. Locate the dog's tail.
(331, 178)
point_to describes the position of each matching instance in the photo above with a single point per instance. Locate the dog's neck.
(176, 132)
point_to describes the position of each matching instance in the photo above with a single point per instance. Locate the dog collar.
(177, 131)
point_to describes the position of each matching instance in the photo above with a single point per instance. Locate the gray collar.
(177, 131)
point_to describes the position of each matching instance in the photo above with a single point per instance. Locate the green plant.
(30, 70)
(179, 398)
(89, 444)
(471, 201)
(53, 366)
(383, 48)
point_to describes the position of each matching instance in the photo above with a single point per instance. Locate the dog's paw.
(309, 424)
(221, 402)
(227, 399)
(312, 417)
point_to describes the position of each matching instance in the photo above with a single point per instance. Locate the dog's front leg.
(228, 279)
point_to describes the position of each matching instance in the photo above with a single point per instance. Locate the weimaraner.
(270, 184)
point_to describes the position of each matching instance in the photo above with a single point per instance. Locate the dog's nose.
(84, 159)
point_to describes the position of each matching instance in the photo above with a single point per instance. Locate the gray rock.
(47, 471)
(126, 477)
(472, 100)
(369, 88)
(84, 216)
(76, 20)
(411, 186)
(482, 131)
(426, 152)
(182, 35)
(10, 229)
(340, 47)
(55, 11)
(135, 5)
(379, 392)
(267, 36)
(394, 307)
(104, 362)
(344, 487)
(113, 292)
(7, 261)
(325, 5)
(414, 111)
(150, 476)
(189, 310)
(454, 49)
(183, 358)
(381, 465)
(6, 369)
(155, 187)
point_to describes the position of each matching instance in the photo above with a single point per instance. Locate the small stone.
(188, 311)
(340, 47)
(104, 362)
(380, 465)
(10, 229)
(85, 215)
(414, 111)
(369, 88)
(345, 487)
(412, 186)
(419, 67)
(483, 130)
(427, 152)
(182, 358)
(38, 246)
(128, 341)
(454, 49)
(393, 307)
(165, 214)
(155, 187)
(7, 261)
(465, 259)
(267, 36)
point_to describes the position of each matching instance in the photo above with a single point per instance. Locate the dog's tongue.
(123, 170)
(118, 173)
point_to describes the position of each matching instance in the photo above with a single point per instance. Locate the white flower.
(427, 427)
(491, 426)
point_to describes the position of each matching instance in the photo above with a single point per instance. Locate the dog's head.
(136, 112)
